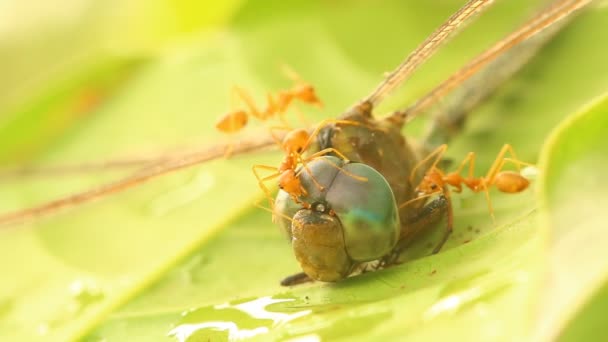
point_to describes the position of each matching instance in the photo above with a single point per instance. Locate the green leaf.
(573, 191)
(125, 267)
(588, 323)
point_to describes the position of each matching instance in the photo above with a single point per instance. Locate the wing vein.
(147, 173)
(557, 12)
(425, 50)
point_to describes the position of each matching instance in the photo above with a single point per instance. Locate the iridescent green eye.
(352, 218)
(367, 210)
(285, 208)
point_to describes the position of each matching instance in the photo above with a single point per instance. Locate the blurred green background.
(89, 81)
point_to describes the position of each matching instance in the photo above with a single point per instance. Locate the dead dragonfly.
(524, 41)
(338, 223)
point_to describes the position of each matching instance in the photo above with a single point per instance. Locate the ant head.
(431, 183)
(295, 141)
(306, 93)
(290, 183)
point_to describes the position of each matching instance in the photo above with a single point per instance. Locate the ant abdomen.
(511, 182)
(232, 122)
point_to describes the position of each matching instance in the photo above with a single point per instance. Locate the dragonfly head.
(348, 221)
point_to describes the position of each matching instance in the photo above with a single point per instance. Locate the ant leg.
(301, 117)
(415, 199)
(317, 184)
(327, 151)
(437, 154)
(278, 140)
(261, 180)
(279, 106)
(330, 150)
(296, 279)
(246, 98)
(272, 108)
(482, 182)
(495, 169)
(490, 207)
(426, 218)
(273, 212)
(518, 162)
(450, 220)
(500, 160)
(304, 163)
(469, 159)
(314, 180)
(432, 213)
(291, 74)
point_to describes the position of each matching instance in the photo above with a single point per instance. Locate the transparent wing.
(9, 173)
(149, 168)
(153, 170)
(490, 69)
(399, 75)
(426, 50)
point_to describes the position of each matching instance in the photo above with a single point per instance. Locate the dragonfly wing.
(426, 49)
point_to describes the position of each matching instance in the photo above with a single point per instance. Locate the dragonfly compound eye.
(363, 224)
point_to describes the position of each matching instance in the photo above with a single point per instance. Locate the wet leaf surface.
(128, 266)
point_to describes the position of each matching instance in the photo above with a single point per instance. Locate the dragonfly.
(76, 242)
(517, 48)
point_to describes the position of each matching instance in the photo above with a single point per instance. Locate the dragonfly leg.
(296, 279)
(427, 218)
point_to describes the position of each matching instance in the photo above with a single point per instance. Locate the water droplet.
(84, 293)
(467, 292)
(233, 321)
(452, 303)
(183, 332)
(62, 304)
(305, 338)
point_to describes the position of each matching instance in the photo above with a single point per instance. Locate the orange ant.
(295, 143)
(276, 105)
(436, 181)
